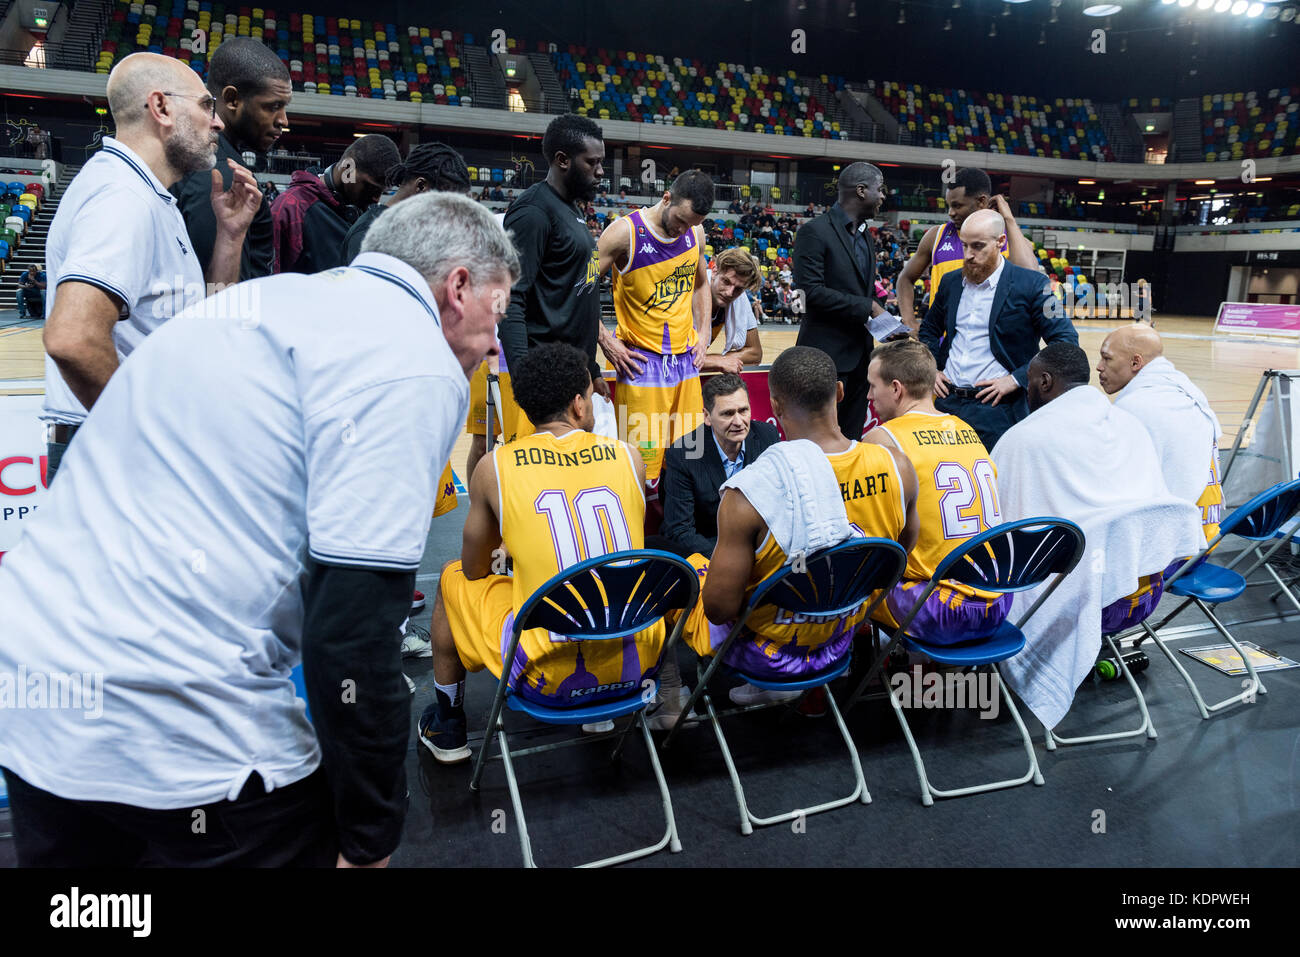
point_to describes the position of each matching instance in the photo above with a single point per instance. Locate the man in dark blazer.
(834, 269)
(984, 326)
(696, 465)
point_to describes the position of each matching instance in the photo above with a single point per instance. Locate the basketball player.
(879, 490)
(957, 496)
(552, 499)
(663, 305)
(557, 298)
(1183, 427)
(941, 248)
(734, 277)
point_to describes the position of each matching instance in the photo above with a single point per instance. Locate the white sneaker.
(598, 727)
(748, 694)
(416, 643)
(410, 685)
(664, 714)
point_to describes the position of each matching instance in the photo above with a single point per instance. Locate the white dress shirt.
(970, 359)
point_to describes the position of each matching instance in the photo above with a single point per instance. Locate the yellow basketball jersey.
(1211, 501)
(948, 255)
(563, 500)
(957, 490)
(652, 295)
(873, 499)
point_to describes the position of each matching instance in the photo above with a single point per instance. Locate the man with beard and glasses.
(984, 326)
(252, 89)
(557, 297)
(119, 259)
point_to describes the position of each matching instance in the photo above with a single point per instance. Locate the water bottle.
(1108, 669)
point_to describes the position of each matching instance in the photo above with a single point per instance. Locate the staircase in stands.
(32, 250)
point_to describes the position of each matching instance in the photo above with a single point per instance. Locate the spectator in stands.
(31, 293)
(252, 89)
(940, 249)
(696, 465)
(428, 167)
(602, 198)
(622, 198)
(811, 210)
(498, 195)
(312, 217)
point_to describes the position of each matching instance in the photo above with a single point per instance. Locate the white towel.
(793, 487)
(737, 322)
(1082, 459)
(1183, 427)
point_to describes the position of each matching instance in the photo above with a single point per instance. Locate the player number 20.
(960, 487)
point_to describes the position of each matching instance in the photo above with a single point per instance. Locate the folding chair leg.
(1146, 727)
(929, 792)
(1207, 710)
(524, 844)
(669, 840)
(748, 820)
(1283, 588)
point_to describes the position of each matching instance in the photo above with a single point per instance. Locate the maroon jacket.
(309, 225)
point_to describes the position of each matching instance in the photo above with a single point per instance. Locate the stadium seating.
(326, 55)
(995, 122)
(1237, 126)
(685, 91)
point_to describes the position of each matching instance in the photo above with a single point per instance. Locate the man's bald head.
(983, 235)
(986, 223)
(1124, 353)
(140, 76)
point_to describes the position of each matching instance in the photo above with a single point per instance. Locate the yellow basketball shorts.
(658, 405)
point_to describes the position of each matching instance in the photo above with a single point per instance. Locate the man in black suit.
(696, 465)
(834, 268)
(984, 326)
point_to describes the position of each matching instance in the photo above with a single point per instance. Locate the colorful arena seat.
(1237, 126)
(998, 123)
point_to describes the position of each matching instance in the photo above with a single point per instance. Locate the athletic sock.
(451, 699)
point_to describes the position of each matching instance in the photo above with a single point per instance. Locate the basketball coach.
(835, 269)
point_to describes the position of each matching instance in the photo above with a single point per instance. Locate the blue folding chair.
(1137, 518)
(1204, 584)
(607, 597)
(829, 583)
(1011, 557)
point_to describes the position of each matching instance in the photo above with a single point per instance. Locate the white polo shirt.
(286, 415)
(970, 359)
(118, 228)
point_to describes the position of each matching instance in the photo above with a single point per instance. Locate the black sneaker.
(444, 737)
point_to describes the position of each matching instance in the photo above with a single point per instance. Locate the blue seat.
(1204, 584)
(1011, 557)
(609, 597)
(835, 581)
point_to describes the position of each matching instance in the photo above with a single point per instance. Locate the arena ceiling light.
(1104, 9)
(1239, 8)
(1203, 182)
(1255, 9)
(1204, 4)
(1223, 6)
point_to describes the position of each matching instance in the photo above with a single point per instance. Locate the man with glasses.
(119, 260)
(251, 91)
(312, 216)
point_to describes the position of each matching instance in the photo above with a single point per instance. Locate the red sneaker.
(417, 601)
